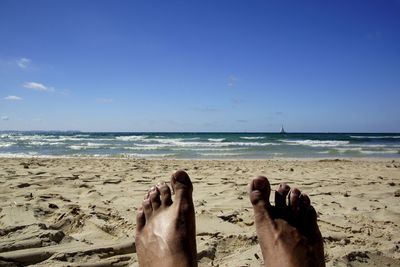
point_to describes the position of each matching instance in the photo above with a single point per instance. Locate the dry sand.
(80, 212)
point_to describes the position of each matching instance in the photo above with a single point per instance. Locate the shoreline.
(331, 159)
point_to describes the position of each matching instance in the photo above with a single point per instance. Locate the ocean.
(199, 145)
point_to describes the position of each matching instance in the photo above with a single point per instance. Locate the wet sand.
(73, 211)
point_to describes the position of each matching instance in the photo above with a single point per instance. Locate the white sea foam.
(367, 145)
(252, 137)
(77, 147)
(220, 154)
(96, 145)
(371, 146)
(208, 148)
(252, 144)
(380, 152)
(348, 149)
(131, 137)
(87, 146)
(316, 143)
(144, 147)
(139, 155)
(48, 138)
(375, 137)
(180, 145)
(216, 139)
(39, 143)
(35, 140)
(82, 135)
(191, 145)
(217, 144)
(28, 137)
(6, 144)
(344, 150)
(69, 138)
(169, 140)
(20, 155)
(167, 143)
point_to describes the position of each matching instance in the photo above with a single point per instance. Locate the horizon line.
(200, 132)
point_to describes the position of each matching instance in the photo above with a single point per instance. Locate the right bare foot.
(288, 233)
(165, 229)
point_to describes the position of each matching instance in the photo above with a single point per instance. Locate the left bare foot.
(165, 229)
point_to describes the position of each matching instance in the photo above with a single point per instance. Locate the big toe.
(181, 185)
(259, 190)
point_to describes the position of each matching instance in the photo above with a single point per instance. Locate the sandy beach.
(81, 211)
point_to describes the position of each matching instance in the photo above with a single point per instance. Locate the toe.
(181, 185)
(140, 220)
(183, 202)
(310, 225)
(308, 218)
(294, 199)
(280, 195)
(154, 196)
(259, 191)
(304, 202)
(165, 193)
(303, 216)
(281, 208)
(147, 209)
(294, 207)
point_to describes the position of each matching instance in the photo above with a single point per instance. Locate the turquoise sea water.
(199, 145)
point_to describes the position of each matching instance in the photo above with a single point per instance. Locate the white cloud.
(232, 81)
(38, 87)
(4, 118)
(23, 62)
(13, 98)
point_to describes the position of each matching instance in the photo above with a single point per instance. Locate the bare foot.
(288, 233)
(165, 229)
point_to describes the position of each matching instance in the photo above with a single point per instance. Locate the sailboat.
(282, 130)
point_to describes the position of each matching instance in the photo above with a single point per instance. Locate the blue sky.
(324, 66)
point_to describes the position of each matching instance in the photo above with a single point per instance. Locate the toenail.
(159, 184)
(259, 183)
(284, 187)
(305, 200)
(295, 191)
(181, 176)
